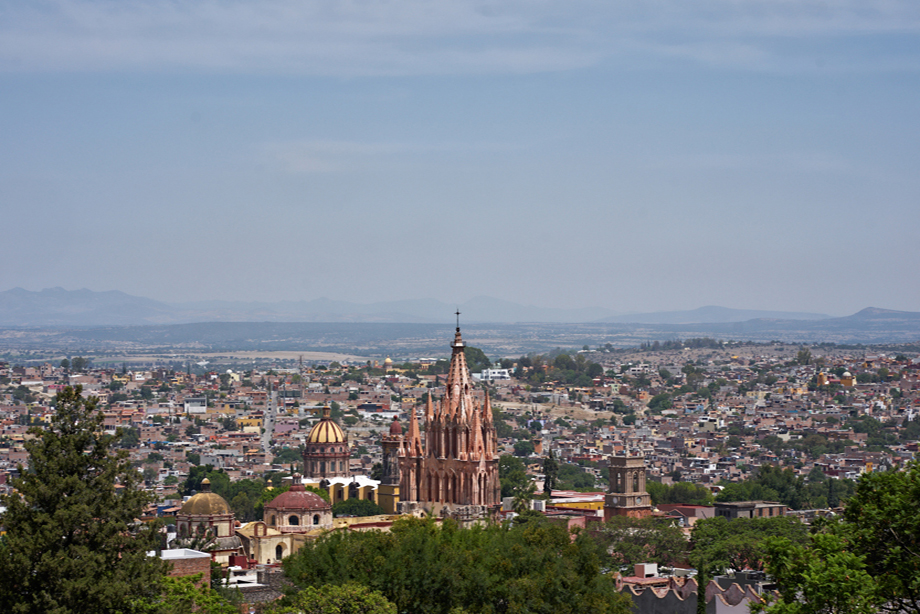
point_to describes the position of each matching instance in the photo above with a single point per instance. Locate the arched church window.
(279, 552)
(293, 520)
(316, 519)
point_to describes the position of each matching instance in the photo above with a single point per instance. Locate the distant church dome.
(326, 451)
(298, 510)
(326, 430)
(205, 503)
(206, 512)
(395, 427)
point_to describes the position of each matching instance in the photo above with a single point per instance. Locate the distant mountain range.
(56, 307)
(60, 307)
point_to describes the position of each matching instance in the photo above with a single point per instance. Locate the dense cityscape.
(247, 468)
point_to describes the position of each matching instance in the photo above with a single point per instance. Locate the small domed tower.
(326, 451)
(298, 510)
(205, 512)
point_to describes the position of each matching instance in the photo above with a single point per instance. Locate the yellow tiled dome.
(326, 430)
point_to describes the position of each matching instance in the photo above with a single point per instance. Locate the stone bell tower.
(626, 494)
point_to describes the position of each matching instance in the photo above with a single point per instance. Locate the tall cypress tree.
(72, 543)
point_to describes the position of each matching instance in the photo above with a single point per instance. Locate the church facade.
(457, 464)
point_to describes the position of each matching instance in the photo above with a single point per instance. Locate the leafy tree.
(150, 474)
(573, 477)
(185, 595)
(739, 543)
(476, 359)
(427, 569)
(523, 448)
(803, 357)
(550, 472)
(356, 507)
(511, 473)
(881, 521)
(70, 543)
(523, 495)
(347, 598)
(682, 492)
(289, 455)
(660, 401)
(644, 540)
(243, 508)
(774, 484)
(823, 576)
(130, 437)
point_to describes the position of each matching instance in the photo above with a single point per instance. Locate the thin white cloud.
(327, 156)
(380, 37)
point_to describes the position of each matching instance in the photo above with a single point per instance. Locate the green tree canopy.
(550, 472)
(822, 576)
(644, 540)
(682, 493)
(429, 569)
(348, 598)
(71, 543)
(357, 507)
(720, 544)
(511, 473)
(476, 359)
(882, 522)
(783, 485)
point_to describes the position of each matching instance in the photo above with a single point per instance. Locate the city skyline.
(757, 155)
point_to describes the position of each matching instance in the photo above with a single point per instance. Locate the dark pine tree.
(72, 542)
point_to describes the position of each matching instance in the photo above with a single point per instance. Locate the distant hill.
(710, 315)
(879, 315)
(59, 307)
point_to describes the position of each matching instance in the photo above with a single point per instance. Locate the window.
(293, 520)
(279, 552)
(316, 519)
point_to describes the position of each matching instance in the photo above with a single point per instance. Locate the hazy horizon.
(640, 158)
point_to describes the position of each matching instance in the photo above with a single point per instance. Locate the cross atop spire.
(458, 319)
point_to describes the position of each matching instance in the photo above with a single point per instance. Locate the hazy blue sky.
(644, 155)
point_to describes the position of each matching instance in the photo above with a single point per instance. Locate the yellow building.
(252, 421)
